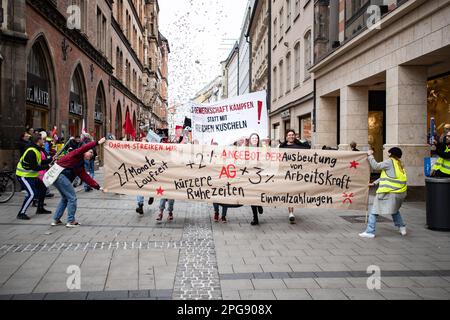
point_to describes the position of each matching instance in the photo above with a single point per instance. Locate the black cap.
(396, 152)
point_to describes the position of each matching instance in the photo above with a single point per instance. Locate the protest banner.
(226, 121)
(239, 175)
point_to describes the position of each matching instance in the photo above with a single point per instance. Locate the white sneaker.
(367, 235)
(402, 231)
(291, 218)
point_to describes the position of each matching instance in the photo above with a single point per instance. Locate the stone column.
(326, 122)
(406, 118)
(354, 117)
(13, 76)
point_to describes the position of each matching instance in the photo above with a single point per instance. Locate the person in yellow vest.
(27, 173)
(442, 167)
(391, 193)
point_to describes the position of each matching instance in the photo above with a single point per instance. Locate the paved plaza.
(122, 255)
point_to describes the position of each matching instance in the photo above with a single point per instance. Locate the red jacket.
(75, 161)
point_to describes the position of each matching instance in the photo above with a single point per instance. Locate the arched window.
(100, 102)
(275, 84)
(288, 72)
(281, 78)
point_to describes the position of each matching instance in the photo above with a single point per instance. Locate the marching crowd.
(74, 161)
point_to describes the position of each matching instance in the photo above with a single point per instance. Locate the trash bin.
(438, 203)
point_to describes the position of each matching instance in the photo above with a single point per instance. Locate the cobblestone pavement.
(122, 255)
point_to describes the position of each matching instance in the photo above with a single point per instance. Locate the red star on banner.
(160, 191)
(354, 164)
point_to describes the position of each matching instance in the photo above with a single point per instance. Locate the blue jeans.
(68, 199)
(89, 167)
(140, 200)
(224, 208)
(162, 204)
(371, 226)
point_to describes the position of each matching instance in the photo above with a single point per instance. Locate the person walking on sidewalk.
(291, 142)
(140, 199)
(140, 204)
(254, 142)
(73, 164)
(27, 172)
(89, 165)
(391, 191)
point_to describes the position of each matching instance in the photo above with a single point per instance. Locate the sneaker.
(72, 224)
(140, 209)
(291, 218)
(50, 195)
(403, 231)
(367, 235)
(150, 201)
(43, 211)
(216, 217)
(254, 222)
(160, 216)
(23, 217)
(56, 223)
(223, 219)
(170, 217)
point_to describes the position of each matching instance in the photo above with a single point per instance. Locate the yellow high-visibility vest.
(21, 172)
(393, 185)
(442, 165)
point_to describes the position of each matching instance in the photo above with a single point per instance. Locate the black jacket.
(30, 161)
(297, 145)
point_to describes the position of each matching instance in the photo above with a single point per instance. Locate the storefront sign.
(75, 108)
(37, 95)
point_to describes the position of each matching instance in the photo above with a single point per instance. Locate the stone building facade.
(291, 57)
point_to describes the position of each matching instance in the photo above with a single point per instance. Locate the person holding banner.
(254, 142)
(73, 164)
(391, 191)
(291, 142)
(27, 173)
